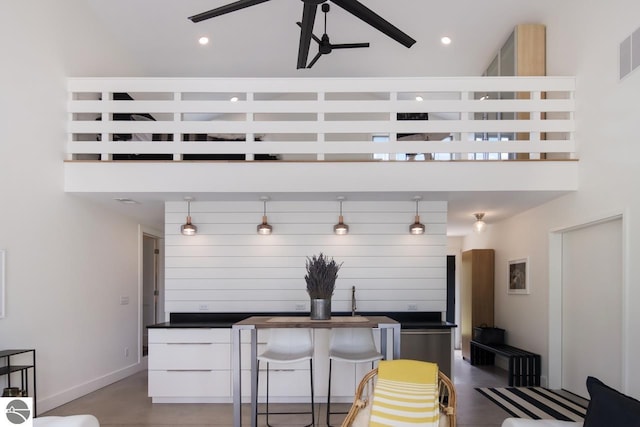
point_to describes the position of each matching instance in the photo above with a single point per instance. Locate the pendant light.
(188, 229)
(417, 227)
(341, 228)
(264, 228)
(479, 226)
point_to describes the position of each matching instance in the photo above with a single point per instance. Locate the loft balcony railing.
(321, 119)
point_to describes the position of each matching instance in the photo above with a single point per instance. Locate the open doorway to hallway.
(451, 289)
(150, 285)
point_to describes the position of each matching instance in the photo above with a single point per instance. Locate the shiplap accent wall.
(228, 267)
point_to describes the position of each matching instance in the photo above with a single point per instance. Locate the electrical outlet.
(203, 307)
(124, 300)
(412, 307)
(126, 352)
(300, 307)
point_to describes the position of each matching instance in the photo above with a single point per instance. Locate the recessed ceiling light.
(234, 99)
(203, 40)
(445, 40)
(419, 98)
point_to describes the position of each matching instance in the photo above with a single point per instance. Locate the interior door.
(149, 287)
(592, 306)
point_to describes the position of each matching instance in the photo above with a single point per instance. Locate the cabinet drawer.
(196, 335)
(282, 383)
(189, 356)
(189, 384)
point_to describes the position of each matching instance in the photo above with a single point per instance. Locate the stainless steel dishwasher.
(430, 345)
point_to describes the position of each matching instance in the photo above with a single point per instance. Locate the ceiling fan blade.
(308, 19)
(314, 60)
(222, 10)
(362, 12)
(312, 35)
(349, 45)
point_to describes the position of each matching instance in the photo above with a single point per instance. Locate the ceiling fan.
(324, 44)
(309, 10)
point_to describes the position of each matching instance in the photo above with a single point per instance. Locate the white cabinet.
(184, 386)
(190, 365)
(189, 356)
(194, 365)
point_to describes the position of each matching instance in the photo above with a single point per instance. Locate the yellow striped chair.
(403, 393)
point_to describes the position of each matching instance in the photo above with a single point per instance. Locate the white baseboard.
(47, 403)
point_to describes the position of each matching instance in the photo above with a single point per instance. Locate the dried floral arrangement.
(321, 276)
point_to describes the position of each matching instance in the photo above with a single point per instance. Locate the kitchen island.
(191, 357)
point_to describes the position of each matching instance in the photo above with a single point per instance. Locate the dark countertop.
(407, 319)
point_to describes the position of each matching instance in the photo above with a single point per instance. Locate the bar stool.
(288, 345)
(353, 345)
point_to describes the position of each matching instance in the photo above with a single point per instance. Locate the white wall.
(608, 128)
(68, 262)
(228, 267)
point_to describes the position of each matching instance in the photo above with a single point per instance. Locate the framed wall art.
(519, 276)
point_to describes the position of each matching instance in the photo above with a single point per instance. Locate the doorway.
(587, 288)
(451, 289)
(150, 285)
(592, 306)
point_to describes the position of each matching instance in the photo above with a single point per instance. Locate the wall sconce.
(417, 227)
(341, 228)
(264, 228)
(479, 226)
(188, 229)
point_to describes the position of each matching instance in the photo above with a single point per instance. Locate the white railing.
(475, 118)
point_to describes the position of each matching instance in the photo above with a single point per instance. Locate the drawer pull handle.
(189, 343)
(405, 332)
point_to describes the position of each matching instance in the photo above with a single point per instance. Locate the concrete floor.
(125, 404)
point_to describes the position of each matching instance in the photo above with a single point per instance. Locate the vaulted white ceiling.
(262, 41)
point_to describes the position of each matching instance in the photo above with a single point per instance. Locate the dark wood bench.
(524, 366)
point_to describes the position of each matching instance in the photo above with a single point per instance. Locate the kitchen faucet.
(353, 300)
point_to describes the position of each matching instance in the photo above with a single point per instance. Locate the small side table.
(7, 368)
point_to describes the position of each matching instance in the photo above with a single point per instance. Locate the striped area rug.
(534, 403)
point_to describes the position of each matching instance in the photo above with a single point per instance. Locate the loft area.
(347, 119)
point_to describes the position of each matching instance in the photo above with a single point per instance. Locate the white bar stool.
(353, 345)
(288, 345)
